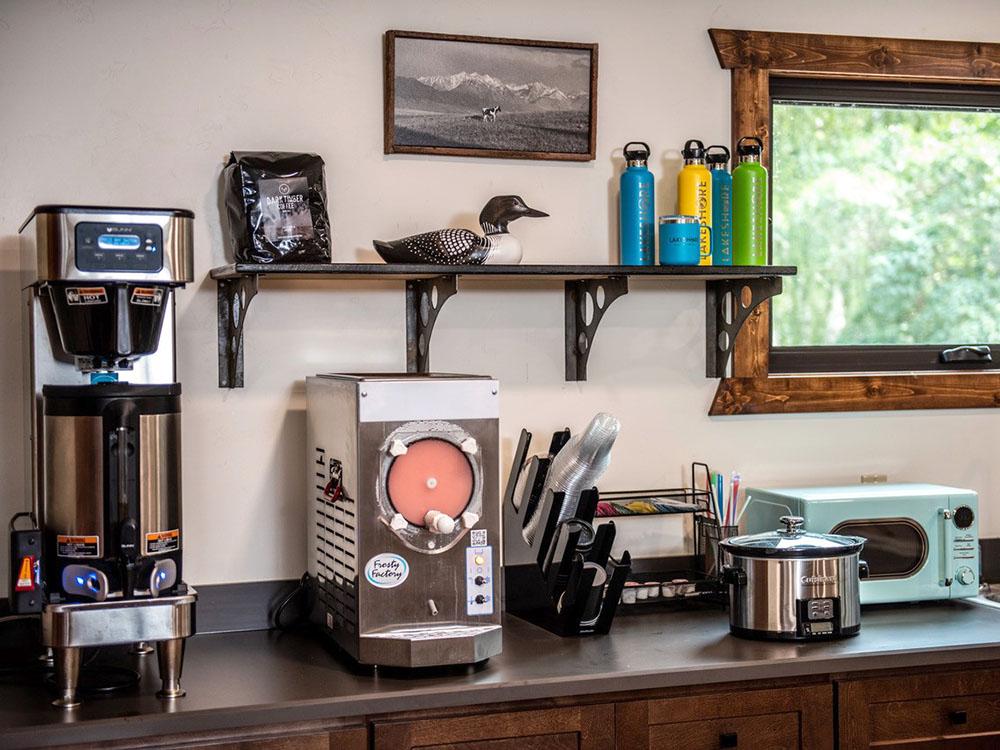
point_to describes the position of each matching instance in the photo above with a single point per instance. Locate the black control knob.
(480, 599)
(479, 580)
(964, 517)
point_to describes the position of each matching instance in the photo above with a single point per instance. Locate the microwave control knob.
(470, 519)
(438, 522)
(965, 576)
(964, 517)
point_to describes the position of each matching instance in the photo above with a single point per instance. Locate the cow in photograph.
(490, 114)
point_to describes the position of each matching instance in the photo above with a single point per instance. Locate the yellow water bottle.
(694, 194)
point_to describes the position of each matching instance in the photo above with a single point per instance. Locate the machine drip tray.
(120, 621)
(166, 620)
(430, 645)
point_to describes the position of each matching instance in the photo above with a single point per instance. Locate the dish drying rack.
(684, 587)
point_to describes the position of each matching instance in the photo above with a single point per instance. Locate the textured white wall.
(136, 103)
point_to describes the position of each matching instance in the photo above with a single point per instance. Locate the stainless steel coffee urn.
(103, 410)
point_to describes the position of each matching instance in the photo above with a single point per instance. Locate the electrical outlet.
(874, 478)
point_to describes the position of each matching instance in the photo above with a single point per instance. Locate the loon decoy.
(464, 247)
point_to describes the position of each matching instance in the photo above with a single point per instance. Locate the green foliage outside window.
(893, 217)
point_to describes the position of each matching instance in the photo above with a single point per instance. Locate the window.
(886, 196)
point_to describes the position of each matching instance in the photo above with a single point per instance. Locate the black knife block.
(561, 589)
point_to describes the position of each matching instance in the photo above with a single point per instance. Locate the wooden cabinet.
(946, 710)
(571, 728)
(773, 719)
(302, 736)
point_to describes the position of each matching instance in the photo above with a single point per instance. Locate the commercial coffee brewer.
(403, 521)
(103, 415)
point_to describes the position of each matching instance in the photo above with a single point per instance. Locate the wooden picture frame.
(754, 57)
(466, 133)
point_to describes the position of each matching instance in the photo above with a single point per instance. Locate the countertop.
(253, 678)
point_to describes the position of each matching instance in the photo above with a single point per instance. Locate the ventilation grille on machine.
(336, 545)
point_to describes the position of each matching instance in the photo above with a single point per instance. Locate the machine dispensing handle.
(947, 544)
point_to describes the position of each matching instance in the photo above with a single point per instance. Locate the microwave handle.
(947, 545)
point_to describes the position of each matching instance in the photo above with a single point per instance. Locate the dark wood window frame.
(754, 58)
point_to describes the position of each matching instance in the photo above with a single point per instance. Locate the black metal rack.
(732, 293)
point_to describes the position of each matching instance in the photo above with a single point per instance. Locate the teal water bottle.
(717, 158)
(750, 204)
(635, 196)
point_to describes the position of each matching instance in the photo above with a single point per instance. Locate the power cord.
(301, 590)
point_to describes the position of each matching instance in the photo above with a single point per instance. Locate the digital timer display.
(119, 242)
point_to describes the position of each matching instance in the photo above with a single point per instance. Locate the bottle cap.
(693, 151)
(750, 145)
(717, 159)
(638, 155)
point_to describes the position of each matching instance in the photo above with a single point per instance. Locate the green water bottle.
(749, 205)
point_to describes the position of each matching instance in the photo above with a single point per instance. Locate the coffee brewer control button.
(438, 522)
(470, 519)
(398, 523)
(470, 446)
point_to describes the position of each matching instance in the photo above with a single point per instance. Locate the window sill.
(797, 394)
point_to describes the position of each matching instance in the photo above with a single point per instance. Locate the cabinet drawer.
(934, 709)
(571, 728)
(936, 718)
(791, 718)
(766, 732)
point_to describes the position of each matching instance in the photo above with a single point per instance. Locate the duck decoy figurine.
(462, 246)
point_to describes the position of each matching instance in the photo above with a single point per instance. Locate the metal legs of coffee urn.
(170, 655)
(67, 674)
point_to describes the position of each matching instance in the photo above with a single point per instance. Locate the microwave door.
(904, 566)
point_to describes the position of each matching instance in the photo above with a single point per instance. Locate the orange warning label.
(78, 546)
(86, 295)
(26, 575)
(158, 542)
(147, 295)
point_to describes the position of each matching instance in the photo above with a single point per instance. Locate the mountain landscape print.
(490, 98)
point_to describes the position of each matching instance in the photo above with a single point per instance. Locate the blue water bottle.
(635, 196)
(717, 158)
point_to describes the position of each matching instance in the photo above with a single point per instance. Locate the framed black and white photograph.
(484, 96)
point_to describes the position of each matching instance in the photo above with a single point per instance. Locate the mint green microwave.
(923, 539)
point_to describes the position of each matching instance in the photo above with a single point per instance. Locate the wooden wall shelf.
(732, 292)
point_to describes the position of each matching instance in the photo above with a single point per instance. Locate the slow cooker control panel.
(819, 617)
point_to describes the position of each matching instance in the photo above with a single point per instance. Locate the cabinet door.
(576, 728)
(778, 719)
(276, 737)
(958, 710)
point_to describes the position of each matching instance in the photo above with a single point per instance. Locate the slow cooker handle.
(734, 576)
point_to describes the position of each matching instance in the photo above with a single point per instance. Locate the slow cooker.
(791, 585)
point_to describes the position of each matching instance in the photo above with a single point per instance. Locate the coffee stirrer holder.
(572, 585)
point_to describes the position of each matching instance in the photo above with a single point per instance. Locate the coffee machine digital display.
(119, 247)
(103, 410)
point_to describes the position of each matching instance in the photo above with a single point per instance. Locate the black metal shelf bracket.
(424, 300)
(728, 304)
(586, 302)
(233, 296)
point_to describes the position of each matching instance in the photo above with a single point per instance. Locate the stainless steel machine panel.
(74, 476)
(49, 248)
(160, 479)
(393, 588)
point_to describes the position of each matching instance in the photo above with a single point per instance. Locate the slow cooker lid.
(793, 541)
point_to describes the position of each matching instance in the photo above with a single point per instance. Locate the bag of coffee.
(276, 207)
